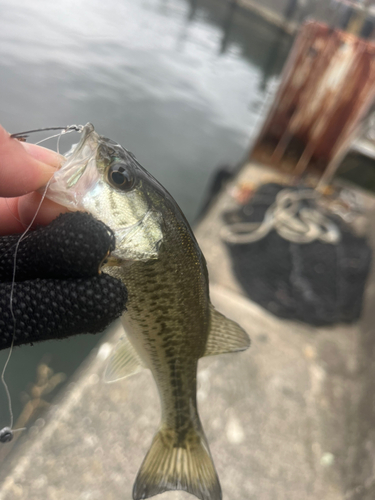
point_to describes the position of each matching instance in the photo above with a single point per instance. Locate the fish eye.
(120, 177)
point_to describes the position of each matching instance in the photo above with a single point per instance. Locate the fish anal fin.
(225, 335)
(124, 361)
(169, 465)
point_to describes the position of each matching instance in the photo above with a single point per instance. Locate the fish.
(170, 322)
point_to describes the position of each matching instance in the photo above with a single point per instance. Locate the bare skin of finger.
(17, 213)
(24, 167)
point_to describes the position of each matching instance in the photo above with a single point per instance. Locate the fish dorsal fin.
(225, 335)
(124, 361)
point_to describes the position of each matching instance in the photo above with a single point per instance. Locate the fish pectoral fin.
(170, 465)
(124, 361)
(225, 335)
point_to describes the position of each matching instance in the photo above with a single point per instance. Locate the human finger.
(17, 213)
(9, 219)
(44, 155)
(22, 168)
(28, 206)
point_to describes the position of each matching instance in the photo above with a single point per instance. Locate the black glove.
(58, 291)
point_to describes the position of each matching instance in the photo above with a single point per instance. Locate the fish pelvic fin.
(124, 361)
(170, 465)
(225, 335)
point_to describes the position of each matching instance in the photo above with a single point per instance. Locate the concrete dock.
(292, 418)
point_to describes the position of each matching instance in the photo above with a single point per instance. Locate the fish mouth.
(68, 185)
(77, 150)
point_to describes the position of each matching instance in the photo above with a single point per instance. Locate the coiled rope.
(291, 221)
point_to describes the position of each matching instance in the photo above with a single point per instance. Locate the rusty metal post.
(327, 86)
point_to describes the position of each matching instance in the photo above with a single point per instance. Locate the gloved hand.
(58, 290)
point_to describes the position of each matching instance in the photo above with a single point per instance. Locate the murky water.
(175, 81)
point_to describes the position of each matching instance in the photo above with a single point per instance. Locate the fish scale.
(170, 322)
(174, 328)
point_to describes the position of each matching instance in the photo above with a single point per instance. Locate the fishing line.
(6, 433)
(58, 144)
(51, 137)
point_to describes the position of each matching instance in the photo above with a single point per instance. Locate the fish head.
(101, 177)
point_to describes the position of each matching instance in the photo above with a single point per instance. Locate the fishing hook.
(22, 136)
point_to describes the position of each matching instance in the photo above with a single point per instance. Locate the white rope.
(295, 224)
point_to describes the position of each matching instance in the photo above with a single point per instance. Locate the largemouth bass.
(170, 322)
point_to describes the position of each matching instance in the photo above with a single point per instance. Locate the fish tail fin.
(173, 465)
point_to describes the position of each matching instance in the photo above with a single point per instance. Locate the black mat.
(317, 283)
